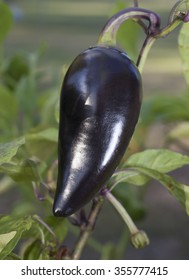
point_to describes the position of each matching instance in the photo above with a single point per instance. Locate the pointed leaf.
(5, 238)
(9, 150)
(11, 230)
(153, 164)
(161, 160)
(180, 191)
(33, 250)
(129, 176)
(26, 171)
(42, 144)
(49, 134)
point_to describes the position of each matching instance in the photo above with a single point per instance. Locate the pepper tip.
(59, 212)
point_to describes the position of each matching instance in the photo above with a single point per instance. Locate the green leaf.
(153, 164)
(6, 20)
(25, 171)
(161, 160)
(5, 239)
(49, 134)
(13, 256)
(129, 176)
(33, 250)
(9, 150)
(47, 234)
(42, 144)
(180, 191)
(11, 230)
(183, 44)
(59, 227)
(49, 106)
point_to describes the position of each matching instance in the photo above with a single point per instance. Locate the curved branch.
(109, 32)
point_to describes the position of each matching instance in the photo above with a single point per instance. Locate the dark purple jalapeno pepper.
(99, 108)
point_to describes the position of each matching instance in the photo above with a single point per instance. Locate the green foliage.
(40, 141)
(14, 70)
(42, 243)
(21, 91)
(161, 160)
(28, 148)
(11, 230)
(154, 164)
(9, 150)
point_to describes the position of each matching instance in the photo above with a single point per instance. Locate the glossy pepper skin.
(99, 108)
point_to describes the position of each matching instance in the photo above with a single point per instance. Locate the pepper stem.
(144, 52)
(150, 39)
(109, 32)
(153, 31)
(138, 238)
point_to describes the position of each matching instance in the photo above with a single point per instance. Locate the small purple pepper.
(99, 108)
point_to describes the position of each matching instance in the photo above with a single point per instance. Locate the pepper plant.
(28, 150)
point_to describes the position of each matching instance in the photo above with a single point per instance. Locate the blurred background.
(59, 30)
